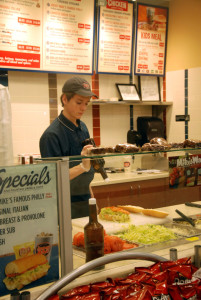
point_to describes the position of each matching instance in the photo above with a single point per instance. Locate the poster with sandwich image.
(151, 40)
(184, 171)
(29, 254)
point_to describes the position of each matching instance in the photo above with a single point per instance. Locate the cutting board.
(113, 227)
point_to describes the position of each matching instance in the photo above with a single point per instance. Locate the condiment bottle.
(98, 163)
(93, 234)
(25, 295)
(23, 160)
(15, 296)
(31, 159)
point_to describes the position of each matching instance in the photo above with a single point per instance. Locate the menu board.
(151, 40)
(115, 37)
(47, 35)
(28, 227)
(185, 171)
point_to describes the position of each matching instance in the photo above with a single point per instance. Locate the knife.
(193, 204)
(185, 217)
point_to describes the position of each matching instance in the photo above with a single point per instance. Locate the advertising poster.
(185, 171)
(151, 40)
(68, 36)
(115, 37)
(29, 254)
(21, 34)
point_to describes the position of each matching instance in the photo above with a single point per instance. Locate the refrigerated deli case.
(147, 185)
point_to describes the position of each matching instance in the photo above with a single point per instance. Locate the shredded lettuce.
(116, 216)
(147, 234)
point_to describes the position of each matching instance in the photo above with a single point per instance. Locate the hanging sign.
(28, 227)
(115, 37)
(151, 40)
(47, 35)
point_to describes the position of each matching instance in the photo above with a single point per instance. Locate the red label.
(120, 67)
(161, 44)
(122, 37)
(87, 41)
(29, 21)
(80, 67)
(126, 67)
(80, 40)
(127, 37)
(28, 48)
(140, 66)
(87, 67)
(87, 26)
(160, 54)
(19, 59)
(145, 66)
(117, 5)
(80, 25)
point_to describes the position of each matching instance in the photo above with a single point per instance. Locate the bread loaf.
(126, 148)
(132, 208)
(21, 265)
(155, 213)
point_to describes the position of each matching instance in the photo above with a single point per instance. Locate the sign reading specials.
(29, 253)
(47, 35)
(151, 40)
(115, 37)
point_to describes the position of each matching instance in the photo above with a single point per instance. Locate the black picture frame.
(149, 88)
(128, 92)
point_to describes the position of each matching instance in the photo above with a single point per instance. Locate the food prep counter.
(185, 248)
(122, 177)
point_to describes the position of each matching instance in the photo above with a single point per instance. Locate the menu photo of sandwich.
(23, 271)
(31, 263)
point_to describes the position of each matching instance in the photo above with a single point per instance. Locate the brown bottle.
(93, 234)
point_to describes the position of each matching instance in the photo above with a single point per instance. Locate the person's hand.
(86, 163)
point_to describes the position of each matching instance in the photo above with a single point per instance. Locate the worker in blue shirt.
(64, 137)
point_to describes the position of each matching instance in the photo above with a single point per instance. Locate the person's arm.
(83, 167)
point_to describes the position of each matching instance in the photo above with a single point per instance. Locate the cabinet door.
(181, 195)
(147, 193)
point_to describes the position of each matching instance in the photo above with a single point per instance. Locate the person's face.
(75, 107)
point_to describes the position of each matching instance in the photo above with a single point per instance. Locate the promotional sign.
(151, 40)
(115, 37)
(21, 34)
(68, 36)
(28, 227)
(185, 171)
(47, 35)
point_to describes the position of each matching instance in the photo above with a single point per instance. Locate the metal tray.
(183, 230)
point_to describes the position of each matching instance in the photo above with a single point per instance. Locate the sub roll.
(25, 270)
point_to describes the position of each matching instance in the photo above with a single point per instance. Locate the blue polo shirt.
(63, 138)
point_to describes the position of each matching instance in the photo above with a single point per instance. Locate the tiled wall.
(184, 89)
(35, 102)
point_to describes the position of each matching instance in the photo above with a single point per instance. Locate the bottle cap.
(92, 201)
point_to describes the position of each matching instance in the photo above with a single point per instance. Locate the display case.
(142, 179)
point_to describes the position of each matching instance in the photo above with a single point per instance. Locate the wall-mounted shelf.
(145, 103)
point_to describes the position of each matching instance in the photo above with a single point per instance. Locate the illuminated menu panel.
(151, 40)
(115, 37)
(47, 35)
(20, 34)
